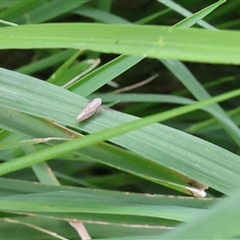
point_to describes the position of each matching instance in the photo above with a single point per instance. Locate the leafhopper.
(89, 110)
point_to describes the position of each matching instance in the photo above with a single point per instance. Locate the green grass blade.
(54, 77)
(104, 74)
(225, 213)
(198, 165)
(49, 10)
(142, 97)
(68, 199)
(158, 41)
(194, 18)
(100, 15)
(102, 153)
(187, 78)
(178, 8)
(46, 62)
(20, 8)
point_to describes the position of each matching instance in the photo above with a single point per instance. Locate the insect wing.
(90, 109)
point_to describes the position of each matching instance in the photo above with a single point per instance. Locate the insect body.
(89, 110)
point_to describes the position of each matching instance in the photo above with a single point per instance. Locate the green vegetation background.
(159, 159)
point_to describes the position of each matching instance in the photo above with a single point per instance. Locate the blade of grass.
(192, 19)
(23, 143)
(104, 74)
(141, 97)
(211, 222)
(100, 15)
(20, 8)
(49, 10)
(178, 8)
(181, 152)
(187, 78)
(105, 134)
(158, 41)
(46, 62)
(103, 153)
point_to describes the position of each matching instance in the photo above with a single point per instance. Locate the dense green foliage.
(159, 159)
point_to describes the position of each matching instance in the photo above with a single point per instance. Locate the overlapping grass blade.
(176, 150)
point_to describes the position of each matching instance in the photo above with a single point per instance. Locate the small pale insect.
(89, 110)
